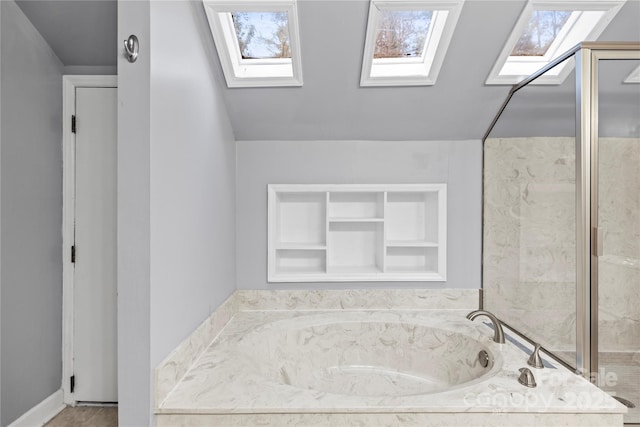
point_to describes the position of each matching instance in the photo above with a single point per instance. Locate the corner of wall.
(134, 288)
(31, 84)
(1, 62)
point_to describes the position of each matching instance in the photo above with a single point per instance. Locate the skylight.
(634, 77)
(545, 30)
(257, 41)
(406, 41)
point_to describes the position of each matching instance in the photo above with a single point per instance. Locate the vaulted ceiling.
(331, 104)
(80, 32)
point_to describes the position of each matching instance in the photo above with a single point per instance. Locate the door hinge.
(73, 124)
(72, 383)
(73, 253)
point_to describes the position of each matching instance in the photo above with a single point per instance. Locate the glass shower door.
(618, 234)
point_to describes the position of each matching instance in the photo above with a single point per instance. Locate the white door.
(94, 329)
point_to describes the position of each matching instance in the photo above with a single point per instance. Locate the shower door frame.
(588, 235)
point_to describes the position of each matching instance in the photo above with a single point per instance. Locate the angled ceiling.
(79, 32)
(331, 105)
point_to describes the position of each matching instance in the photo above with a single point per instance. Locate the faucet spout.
(498, 335)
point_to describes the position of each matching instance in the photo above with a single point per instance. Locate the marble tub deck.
(226, 387)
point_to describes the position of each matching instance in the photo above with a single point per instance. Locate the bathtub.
(367, 354)
(374, 367)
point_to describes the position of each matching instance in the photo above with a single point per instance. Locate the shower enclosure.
(561, 214)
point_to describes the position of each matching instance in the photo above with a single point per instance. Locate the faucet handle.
(526, 378)
(535, 360)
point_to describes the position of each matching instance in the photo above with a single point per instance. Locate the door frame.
(69, 85)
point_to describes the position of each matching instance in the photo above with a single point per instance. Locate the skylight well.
(406, 41)
(257, 42)
(545, 30)
(634, 77)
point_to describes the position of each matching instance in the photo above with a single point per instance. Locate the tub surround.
(245, 372)
(175, 366)
(359, 299)
(380, 420)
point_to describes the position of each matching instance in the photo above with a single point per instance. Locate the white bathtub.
(366, 354)
(386, 367)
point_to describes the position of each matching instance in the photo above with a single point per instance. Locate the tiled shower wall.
(529, 239)
(619, 268)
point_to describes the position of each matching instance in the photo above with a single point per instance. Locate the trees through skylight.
(402, 34)
(262, 34)
(541, 30)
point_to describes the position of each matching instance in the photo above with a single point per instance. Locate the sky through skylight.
(262, 34)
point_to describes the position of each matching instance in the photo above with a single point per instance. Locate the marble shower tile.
(529, 237)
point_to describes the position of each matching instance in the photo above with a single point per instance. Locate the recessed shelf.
(355, 245)
(300, 246)
(356, 219)
(300, 261)
(411, 243)
(412, 259)
(289, 270)
(356, 205)
(356, 271)
(412, 216)
(301, 218)
(350, 232)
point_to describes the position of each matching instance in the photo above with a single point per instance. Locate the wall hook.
(131, 47)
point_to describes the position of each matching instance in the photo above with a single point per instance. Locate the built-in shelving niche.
(344, 232)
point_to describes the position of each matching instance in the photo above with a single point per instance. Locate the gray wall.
(0, 214)
(91, 70)
(31, 193)
(457, 163)
(192, 178)
(176, 186)
(134, 293)
(80, 32)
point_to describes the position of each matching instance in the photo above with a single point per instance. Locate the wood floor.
(86, 416)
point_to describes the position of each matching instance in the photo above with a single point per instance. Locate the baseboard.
(42, 413)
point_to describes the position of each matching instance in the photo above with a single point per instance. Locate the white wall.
(176, 172)
(31, 217)
(457, 163)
